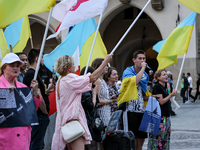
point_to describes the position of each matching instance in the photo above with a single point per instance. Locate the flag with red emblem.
(80, 11)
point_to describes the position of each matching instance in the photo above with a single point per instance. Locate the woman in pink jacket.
(69, 89)
(16, 137)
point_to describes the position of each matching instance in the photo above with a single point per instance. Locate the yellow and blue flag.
(17, 34)
(177, 43)
(81, 35)
(3, 46)
(128, 88)
(13, 10)
(194, 5)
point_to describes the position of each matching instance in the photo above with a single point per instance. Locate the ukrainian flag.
(3, 46)
(81, 35)
(128, 88)
(18, 33)
(177, 43)
(13, 10)
(194, 5)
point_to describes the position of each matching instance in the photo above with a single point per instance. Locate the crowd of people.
(91, 96)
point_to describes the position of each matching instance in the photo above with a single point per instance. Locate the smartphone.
(118, 94)
(93, 85)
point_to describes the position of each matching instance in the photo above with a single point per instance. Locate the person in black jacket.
(38, 131)
(198, 88)
(90, 102)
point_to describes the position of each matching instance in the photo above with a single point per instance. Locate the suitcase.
(119, 141)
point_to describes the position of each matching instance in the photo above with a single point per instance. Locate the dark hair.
(188, 74)
(32, 54)
(20, 53)
(97, 62)
(119, 77)
(107, 75)
(198, 74)
(90, 69)
(183, 73)
(158, 74)
(135, 54)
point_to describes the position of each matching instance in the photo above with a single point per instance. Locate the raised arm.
(98, 72)
(140, 73)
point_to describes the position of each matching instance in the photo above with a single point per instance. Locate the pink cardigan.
(17, 137)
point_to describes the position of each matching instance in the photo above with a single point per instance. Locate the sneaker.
(187, 102)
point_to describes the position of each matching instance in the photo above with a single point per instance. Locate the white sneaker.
(188, 102)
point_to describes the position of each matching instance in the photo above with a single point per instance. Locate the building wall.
(165, 20)
(162, 22)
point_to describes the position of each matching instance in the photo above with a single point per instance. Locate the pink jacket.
(17, 137)
(71, 88)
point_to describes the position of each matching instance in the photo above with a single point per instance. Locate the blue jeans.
(38, 132)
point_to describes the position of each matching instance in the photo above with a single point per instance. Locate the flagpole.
(130, 27)
(43, 43)
(31, 41)
(11, 49)
(93, 43)
(179, 76)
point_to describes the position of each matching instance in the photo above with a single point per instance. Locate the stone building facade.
(153, 26)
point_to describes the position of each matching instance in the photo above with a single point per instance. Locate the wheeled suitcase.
(117, 139)
(120, 141)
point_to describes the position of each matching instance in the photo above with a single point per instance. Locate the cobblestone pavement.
(185, 127)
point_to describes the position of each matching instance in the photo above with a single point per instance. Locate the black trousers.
(183, 90)
(197, 93)
(190, 95)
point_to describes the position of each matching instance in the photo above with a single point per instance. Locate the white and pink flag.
(70, 14)
(76, 61)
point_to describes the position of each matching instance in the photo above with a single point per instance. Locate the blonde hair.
(158, 74)
(62, 64)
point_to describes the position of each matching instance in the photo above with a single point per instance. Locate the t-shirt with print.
(136, 105)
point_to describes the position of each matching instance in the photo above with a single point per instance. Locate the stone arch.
(143, 35)
(38, 26)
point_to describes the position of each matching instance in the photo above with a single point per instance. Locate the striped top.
(71, 88)
(105, 111)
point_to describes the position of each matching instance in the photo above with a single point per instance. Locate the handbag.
(72, 130)
(98, 124)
